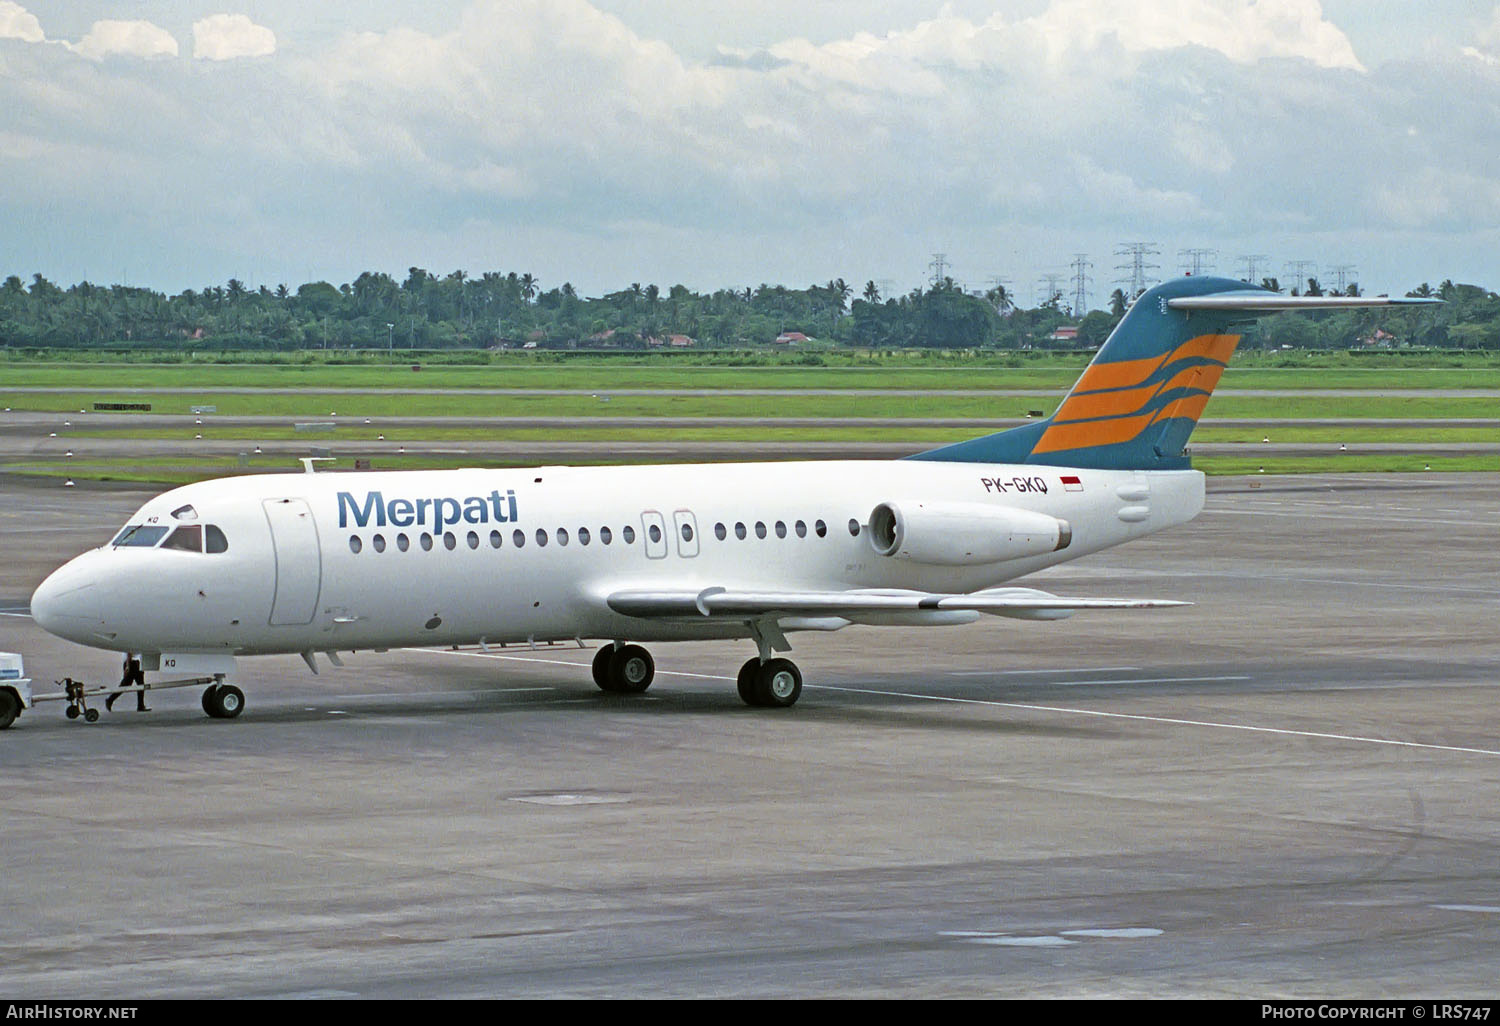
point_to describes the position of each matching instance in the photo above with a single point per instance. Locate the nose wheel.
(223, 701)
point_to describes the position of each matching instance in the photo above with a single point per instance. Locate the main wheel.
(223, 701)
(72, 712)
(601, 667)
(746, 681)
(631, 670)
(778, 683)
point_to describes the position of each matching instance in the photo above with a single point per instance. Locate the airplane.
(342, 562)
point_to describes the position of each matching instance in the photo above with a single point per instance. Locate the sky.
(178, 143)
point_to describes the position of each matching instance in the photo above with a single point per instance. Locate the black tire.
(91, 716)
(601, 667)
(746, 681)
(631, 670)
(72, 712)
(778, 684)
(10, 708)
(223, 701)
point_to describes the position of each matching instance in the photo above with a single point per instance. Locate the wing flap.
(722, 603)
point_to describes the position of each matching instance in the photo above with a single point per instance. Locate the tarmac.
(1287, 790)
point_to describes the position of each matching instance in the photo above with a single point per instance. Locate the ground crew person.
(133, 675)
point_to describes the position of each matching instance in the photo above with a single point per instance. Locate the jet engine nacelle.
(963, 533)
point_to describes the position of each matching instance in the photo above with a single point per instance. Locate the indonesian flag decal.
(1071, 483)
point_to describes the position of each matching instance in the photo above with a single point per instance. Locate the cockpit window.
(140, 536)
(185, 513)
(188, 538)
(214, 539)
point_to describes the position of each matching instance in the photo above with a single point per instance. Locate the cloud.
(534, 120)
(16, 22)
(127, 39)
(226, 37)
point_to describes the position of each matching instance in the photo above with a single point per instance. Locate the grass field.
(580, 389)
(357, 405)
(1056, 373)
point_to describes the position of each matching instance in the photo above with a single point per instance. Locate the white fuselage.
(290, 578)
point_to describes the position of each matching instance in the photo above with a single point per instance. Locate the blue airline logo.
(440, 512)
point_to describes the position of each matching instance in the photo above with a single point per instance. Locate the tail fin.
(1140, 398)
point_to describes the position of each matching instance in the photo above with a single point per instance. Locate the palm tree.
(872, 292)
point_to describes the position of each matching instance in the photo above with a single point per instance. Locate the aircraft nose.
(67, 603)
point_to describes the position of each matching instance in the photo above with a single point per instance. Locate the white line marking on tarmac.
(1075, 669)
(1210, 724)
(7, 612)
(1167, 719)
(1336, 516)
(1469, 908)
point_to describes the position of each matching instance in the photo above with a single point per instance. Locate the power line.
(1197, 261)
(1081, 279)
(1250, 263)
(1137, 266)
(938, 267)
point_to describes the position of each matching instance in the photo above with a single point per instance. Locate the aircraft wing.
(724, 603)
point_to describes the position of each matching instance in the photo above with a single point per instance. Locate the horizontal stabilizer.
(1260, 302)
(721, 603)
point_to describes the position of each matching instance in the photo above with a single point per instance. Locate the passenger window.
(355, 544)
(687, 532)
(801, 529)
(402, 543)
(214, 540)
(449, 542)
(519, 538)
(495, 539)
(605, 535)
(760, 529)
(473, 540)
(820, 528)
(655, 533)
(739, 531)
(719, 532)
(562, 536)
(583, 536)
(426, 542)
(854, 528)
(628, 533)
(378, 542)
(541, 536)
(780, 529)
(186, 538)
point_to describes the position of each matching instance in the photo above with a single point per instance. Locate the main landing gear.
(624, 669)
(763, 683)
(223, 701)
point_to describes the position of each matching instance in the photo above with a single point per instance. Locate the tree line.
(457, 310)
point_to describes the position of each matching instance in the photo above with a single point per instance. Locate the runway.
(1286, 790)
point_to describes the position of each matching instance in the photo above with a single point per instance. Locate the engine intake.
(963, 533)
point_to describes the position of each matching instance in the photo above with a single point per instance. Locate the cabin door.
(299, 561)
